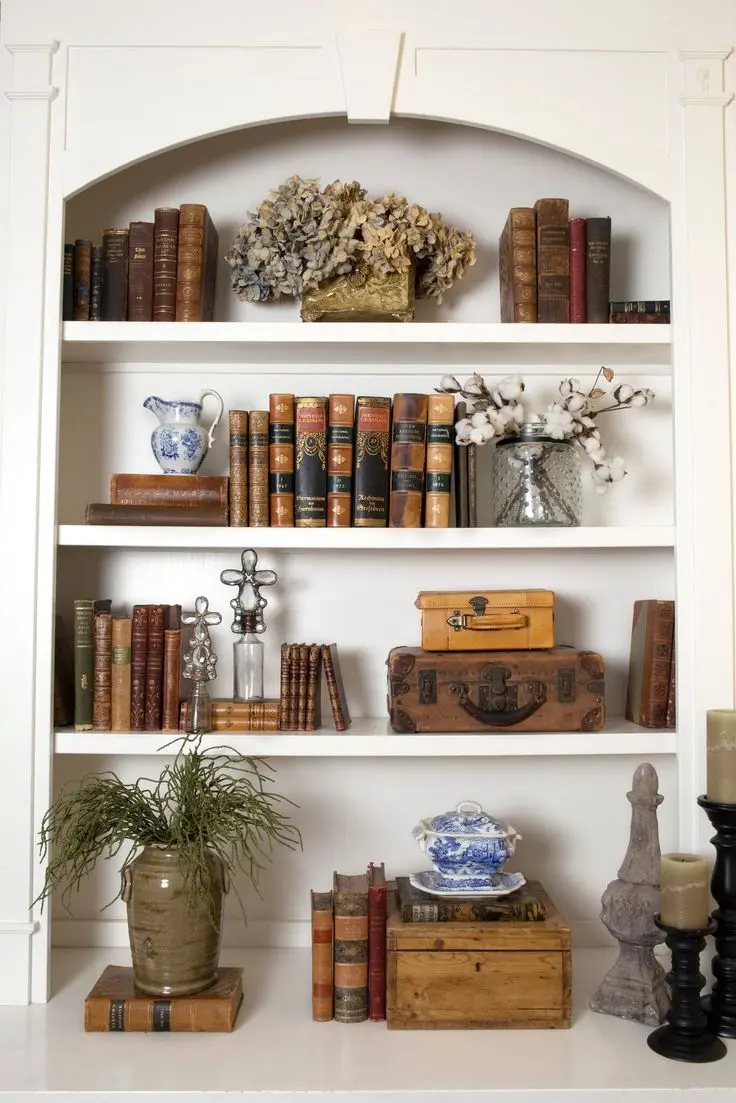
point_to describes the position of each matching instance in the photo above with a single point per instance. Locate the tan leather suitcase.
(487, 620)
(559, 690)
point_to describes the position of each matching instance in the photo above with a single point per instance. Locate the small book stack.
(114, 1004)
(301, 679)
(651, 690)
(163, 500)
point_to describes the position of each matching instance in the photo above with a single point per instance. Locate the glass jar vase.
(536, 481)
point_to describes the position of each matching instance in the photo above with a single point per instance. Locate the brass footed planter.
(362, 297)
(175, 947)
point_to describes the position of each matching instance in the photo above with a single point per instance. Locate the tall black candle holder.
(721, 1003)
(686, 1036)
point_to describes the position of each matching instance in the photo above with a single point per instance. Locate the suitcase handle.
(503, 718)
(489, 622)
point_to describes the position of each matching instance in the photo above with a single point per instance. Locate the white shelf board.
(372, 738)
(356, 539)
(276, 1051)
(345, 348)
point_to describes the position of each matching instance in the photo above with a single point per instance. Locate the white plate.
(469, 888)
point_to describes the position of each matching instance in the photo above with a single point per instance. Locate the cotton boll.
(478, 419)
(511, 388)
(592, 445)
(449, 383)
(575, 402)
(476, 436)
(462, 430)
(517, 413)
(488, 432)
(639, 399)
(617, 468)
(623, 393)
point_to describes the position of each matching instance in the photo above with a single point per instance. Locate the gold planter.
(362, 297)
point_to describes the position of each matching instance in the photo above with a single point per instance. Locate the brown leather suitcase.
(489, 620)
(559, 690)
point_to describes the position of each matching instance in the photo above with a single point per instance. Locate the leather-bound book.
(461, 473)
(102, 665)
(517, 258)
(670, 720)
(238, 716)
(115, 275)
(294, 668)
(63, 676)
(415, 906)
(472, 451)
(578, 311)
(284, 688)
(122, 628)
(598, 268)
(314, 681)
(652, 633)
(100, 513)
(281, 460)
(310, 478)
(139, 647)
(372, 462)
(172, 670)
(238, 468)
(323, 936)
(165, 247)
(553, 260)
(84, 612)
(67, 286)
(440, 435)
(377, 900)
(258, 469)
(196, 264)
(128, 489)
(140, 272)
(335, 687)
(115, 1004)
(96, 282)
(641, 306)
(634, 317)
(301, 714)
(350, 902)
(153, 704)
(82, 266)
(340, 440)
(408, 457)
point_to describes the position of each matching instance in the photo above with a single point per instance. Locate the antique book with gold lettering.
(440, 438)
(196, 264)
(372, 462)
(310, 482)
(517, 258)
(115, 1004)
(350, 900)
(553, 260)
(238, 442)
(340, 441)
(281, 460)
(408, 456)
(258, 513)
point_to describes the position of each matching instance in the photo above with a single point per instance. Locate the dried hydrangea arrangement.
(499, 411)
(302, 235)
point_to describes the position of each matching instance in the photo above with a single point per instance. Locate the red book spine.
(377, 901)
(578, 312)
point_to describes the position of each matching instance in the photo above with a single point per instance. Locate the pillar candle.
(721, 757)
(684, 899)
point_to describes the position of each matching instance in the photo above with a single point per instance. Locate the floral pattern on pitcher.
(180, 443)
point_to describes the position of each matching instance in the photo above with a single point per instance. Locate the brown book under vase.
(115, 1004)
(100, 513)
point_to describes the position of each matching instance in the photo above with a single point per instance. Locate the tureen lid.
(468, 818)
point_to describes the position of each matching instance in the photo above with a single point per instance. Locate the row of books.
(652, 683)
(554, 268)
(160, 271)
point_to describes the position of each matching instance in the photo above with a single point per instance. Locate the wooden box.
(469, 975)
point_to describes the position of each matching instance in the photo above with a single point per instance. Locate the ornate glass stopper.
(248, 623)
(200, 664)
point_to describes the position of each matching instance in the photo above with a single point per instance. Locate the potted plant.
(347, 256)
(187, 831)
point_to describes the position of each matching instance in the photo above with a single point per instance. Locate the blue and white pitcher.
(179, 442)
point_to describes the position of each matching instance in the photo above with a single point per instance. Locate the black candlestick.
(686, 1035)
(721, 1004)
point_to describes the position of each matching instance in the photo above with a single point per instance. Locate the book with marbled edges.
(350, 900)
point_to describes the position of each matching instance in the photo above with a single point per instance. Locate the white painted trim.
(369, 64)
(706, 101)
(18, 928)
(32, 47)
(49, 94)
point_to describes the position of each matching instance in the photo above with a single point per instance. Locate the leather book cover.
(196, 265)
(84, 611)
(172, 670)
(461, 473)
(377, 902)
(284, 688)
(301, 714)
(652, 633)
(310, 478)
(293, 711)
(96, 281)
(415, 906)
(671, 711)
(372, 462)
(102, 672)
(553, 260)
(440, 436)
(340, 441)
(138, 649)
(408, 457)
(578, 247)
(238, 716)
(100, 513)
(335, 687)
(314, 683)
(323, 935)
(115, 275)
(350, 902)
(63, 676)
(640, 306)
(281, 460)
(140, 272)
(82, 272)
(634, 317)
(153, 704)
(122, 629)
(115, 1004)
(238, 456)
(129, 489)
(67, 286)
(598, 268)
(258, 512)
(517, 255)
(165, 248)
(472, 451)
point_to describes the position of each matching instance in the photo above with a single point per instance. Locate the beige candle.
(721, 759)
(684, 900)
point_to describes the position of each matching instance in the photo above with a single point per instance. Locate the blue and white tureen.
(467, 842)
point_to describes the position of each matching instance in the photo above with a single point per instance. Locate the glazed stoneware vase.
(179, 442)
(175, 947)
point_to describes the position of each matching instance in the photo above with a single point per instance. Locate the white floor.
(276, 1050)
